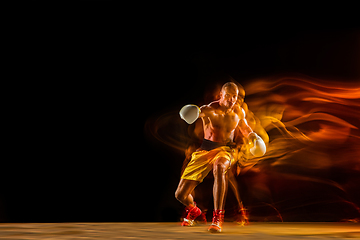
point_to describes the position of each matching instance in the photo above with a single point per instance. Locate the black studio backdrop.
(79, 150)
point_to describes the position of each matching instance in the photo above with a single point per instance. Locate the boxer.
(218, 151)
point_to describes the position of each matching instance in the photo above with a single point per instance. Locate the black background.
(88, 79)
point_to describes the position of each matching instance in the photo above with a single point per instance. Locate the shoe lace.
(218, 218)
(193, 213)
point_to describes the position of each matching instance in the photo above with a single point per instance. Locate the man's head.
(229, 94)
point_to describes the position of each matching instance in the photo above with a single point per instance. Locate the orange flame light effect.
(312, 131)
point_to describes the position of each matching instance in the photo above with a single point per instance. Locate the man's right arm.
(204, 110)
(190, 113)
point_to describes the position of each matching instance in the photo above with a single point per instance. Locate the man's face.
(228, 97)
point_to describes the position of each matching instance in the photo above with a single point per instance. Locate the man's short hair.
(229, 84)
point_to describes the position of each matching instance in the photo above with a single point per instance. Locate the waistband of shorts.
(208, 145)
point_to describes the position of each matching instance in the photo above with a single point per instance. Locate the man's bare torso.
(219, 124)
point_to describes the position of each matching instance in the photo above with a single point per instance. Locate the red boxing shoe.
(217, 221)
(193, 213)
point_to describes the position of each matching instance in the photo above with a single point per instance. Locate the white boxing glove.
(190, 113)
(259, 148)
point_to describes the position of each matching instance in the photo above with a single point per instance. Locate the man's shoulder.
(208, 109)
(239, 111)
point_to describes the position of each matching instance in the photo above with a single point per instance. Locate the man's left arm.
(244, 127)
(257, 144)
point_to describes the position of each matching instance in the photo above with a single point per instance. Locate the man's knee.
(179, 195)
(221, 166)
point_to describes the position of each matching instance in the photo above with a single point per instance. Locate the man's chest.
(226, 121)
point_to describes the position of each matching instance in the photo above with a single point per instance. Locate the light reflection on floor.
(175, 231)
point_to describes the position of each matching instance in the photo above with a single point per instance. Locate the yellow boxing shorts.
(202, 162)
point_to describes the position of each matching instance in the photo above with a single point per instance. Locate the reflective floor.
(175, 231)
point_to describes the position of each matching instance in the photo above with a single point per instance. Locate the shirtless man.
(217, 152)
